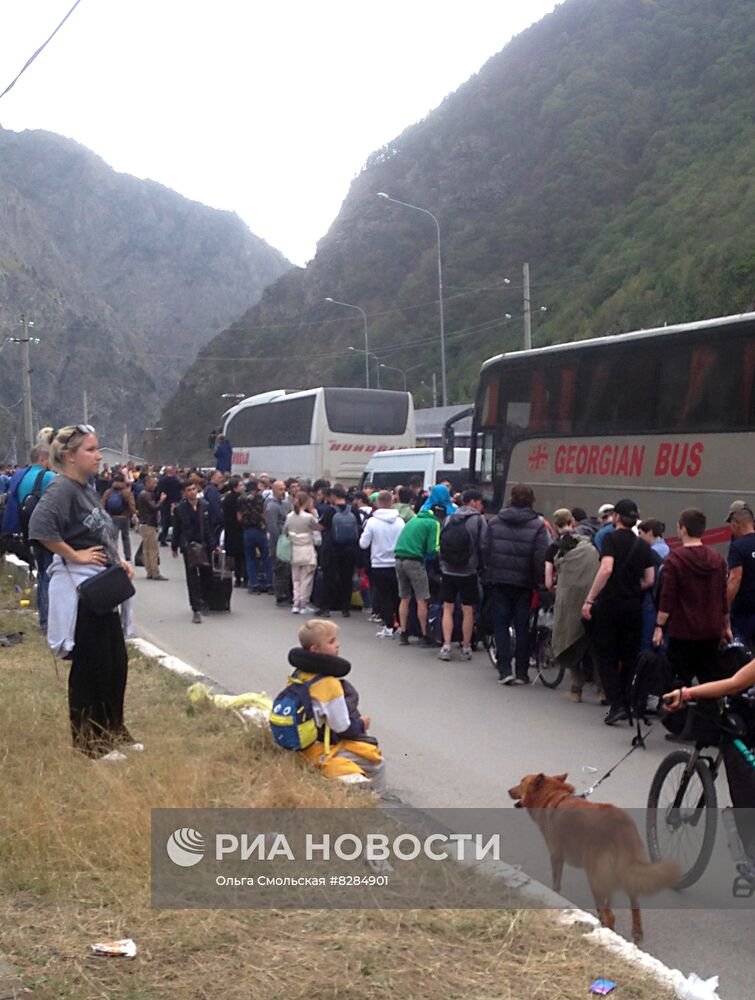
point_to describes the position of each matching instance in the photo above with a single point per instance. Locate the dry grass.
(74, 869)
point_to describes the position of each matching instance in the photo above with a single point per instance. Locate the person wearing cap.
(614, 605)
(605, 516)
(740, 589)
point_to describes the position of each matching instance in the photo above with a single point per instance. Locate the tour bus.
(387, 469)
(665, 417)
(317, 433)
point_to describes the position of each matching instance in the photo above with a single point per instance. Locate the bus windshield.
(352, 411)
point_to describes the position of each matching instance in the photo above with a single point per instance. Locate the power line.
(43, 46)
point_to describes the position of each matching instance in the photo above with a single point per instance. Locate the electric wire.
(41, 48)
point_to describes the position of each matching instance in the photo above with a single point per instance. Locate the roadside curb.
(514, 878)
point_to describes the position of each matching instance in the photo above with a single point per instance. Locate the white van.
(387, 469)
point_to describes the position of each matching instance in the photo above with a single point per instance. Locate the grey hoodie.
(477, 527)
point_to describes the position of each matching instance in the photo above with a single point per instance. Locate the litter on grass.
(603, 987)
(125, 948)
(695, 988)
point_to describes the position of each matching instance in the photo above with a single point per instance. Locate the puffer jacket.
(515, 547)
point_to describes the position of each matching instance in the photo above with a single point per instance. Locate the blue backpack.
(292, 719)
(115, 503)
(344, 527)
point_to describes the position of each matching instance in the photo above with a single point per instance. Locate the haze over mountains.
(124, 279)
(612, 146)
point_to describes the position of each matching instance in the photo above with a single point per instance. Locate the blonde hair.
(68, 439)
(316, 631)
(44, 438)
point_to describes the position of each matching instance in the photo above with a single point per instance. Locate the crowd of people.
(428, 567)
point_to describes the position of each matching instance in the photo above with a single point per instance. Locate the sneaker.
(164, 579)
(110, 757)
(427, 642)
(375, 619)
(196, 618)
(466, 652)
(445, 654)
(505, 679)
(384, 633)
(521, 681)
(403, 639)
(322, 613)
(295, 610)
(307, 611)
(614, 715)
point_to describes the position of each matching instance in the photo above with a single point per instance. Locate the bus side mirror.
(449, 440)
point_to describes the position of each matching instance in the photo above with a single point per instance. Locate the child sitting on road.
(335, 703)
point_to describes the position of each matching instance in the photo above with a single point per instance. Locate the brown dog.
(600, 838)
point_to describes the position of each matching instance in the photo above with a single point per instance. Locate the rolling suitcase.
(221, 583)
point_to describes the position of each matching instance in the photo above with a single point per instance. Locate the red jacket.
(693, 592)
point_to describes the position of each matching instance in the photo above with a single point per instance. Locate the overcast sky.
(265, 108)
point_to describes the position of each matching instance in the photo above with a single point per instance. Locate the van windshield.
(389, 480)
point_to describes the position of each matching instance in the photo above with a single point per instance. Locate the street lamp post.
(401, 371)
(348, 305)
(367, 356)
(443, 381)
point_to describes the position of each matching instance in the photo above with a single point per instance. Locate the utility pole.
(86, 408)
(28, 438)
(527, 319)
(435, 390)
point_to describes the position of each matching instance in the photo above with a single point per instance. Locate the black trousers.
(198, 583)
(693, 658)
(384, 586)
(338, 572)
(97, 683)
(617, 631)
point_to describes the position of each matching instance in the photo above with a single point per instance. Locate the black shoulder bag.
(102, 593)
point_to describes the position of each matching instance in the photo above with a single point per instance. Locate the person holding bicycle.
(741, 681)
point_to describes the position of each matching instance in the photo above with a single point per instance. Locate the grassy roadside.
(74, 869)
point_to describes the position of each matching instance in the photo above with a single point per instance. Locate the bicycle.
(682, 817)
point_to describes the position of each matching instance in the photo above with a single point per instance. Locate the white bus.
(325, 433)
(665, 417)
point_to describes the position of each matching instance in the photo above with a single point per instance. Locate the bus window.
(702, 388)
(615, 392)
(486, 451)
(288, 422)
(349, 411)
(515, 400)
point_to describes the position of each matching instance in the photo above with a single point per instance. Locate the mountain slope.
(612, 146)
(124, 279)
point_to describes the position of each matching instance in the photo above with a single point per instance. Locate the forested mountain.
(124, 280)
(611, 145)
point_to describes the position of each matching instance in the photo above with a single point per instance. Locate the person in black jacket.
(234, 533)
(192, 533)
(514, 560)
(170, 485)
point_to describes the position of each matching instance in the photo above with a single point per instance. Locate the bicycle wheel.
(550, 672)
(488, 642)
(681, 817)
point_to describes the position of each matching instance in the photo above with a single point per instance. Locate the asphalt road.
(453, 738)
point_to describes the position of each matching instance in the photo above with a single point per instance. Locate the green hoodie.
(420, 538)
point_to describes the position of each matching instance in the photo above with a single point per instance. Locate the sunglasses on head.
(81, 429)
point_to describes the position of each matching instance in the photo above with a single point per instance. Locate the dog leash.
(635, 745)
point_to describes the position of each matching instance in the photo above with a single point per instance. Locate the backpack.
(292, 719)
(115, 504)
(26, 509)
(344, 527)
(653, 676)
(456, 544)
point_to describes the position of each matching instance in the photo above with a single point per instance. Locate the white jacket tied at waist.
(64, 602)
